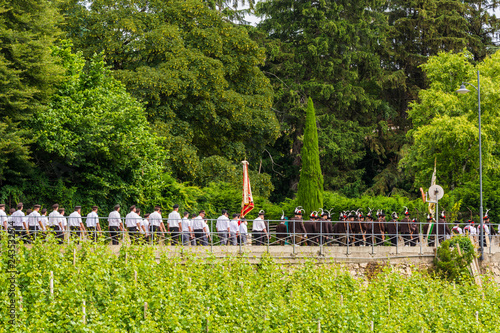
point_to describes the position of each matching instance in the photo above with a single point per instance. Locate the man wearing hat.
(359, 228)
(392, 229)
(325, 228)
(456, 230)
(486, 220)
(281, 231)
(405, 228)
(259, 231)
(342, 229)
(470, 229)
(310, 227)
(296, 226)
(443, 231)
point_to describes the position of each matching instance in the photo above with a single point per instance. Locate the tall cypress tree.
(310, 192)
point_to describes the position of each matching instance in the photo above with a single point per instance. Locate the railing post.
(321, 236)
(347, 240)
(420, 240)
(373, 236)
(268, 234)
(397, 236)
(211, 237)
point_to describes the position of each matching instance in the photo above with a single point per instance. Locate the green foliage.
(452, 265)
(28, 74)
(230, 294)
(196, 73)
(328, 50)
(446, 125)
(310, 191)
(95, 136)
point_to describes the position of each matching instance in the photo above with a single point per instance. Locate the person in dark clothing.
(414, 233)
(326, 229)
(392, 229)
(405, 228)
(442, 228)
(296, 226)
(310, 227)
(359, 229)
(281, 231)
(342, 230)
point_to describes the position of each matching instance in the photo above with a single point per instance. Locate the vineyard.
(93, 290)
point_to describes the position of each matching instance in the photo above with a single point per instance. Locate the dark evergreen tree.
(310, 191)
(328, 50)
(27, 76)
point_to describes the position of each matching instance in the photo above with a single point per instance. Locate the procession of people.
(353, 228)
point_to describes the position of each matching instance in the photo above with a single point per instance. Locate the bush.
(450, 264)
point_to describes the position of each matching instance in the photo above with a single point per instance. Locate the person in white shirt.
(470, 229)
(132, 222)
(222, 226)
(156, 224)
(63, 225)
(27, 234)
(173, 224)
(199, 229)
(115, 224)
(259, 231)
(20, 225)
(243, 232)
(187, 230)
(234, 230)
(456, 230)
(35, 222)
(75, 222)
(3, 217)
(54, 223)
(144, 228)
(93, 224)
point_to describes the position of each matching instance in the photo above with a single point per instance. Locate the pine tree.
(310, 192)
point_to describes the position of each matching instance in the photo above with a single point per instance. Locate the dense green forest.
(158, 102)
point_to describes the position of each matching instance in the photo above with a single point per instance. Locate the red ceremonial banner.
(247, 203)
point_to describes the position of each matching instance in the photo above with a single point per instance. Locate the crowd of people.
(352, 228)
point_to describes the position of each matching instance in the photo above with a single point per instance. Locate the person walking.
(187, 230)
(132, 220)
(259, 232)
(456, 230)
(145, 228)
(63, 223)
(234, 230)
(199, 229)
(54, 223)
(115, 224)
(243, 231)
(173, 224)
(281, 230)
(93, 225)
(222, 226)
(20, 225)
(35, 223)
(156, 224)
(297, 229)
(75, 223)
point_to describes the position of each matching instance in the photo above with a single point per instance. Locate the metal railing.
(322, 233)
